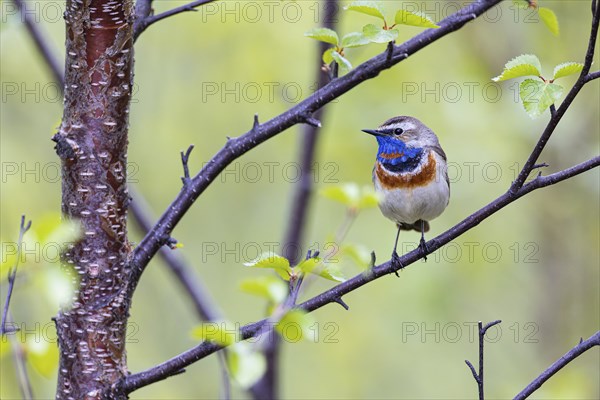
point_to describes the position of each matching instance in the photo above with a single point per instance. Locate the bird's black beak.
(373, 132)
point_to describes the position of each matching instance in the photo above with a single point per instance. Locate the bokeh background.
(200, 77)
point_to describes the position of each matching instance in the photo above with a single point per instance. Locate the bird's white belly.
(410, 205)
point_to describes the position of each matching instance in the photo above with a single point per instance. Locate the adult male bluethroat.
(411, 176)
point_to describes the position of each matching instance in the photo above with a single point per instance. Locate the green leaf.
(537, 96)
(223, 332)
(324, 35)
(343, 64)
(245, 364)
(379, 35)
(354, 39)
(325, 270)
(549, 19)
(416, 18)
(327, 57)
(367, 7)
(566, 69)
(269, 287)
(295, 325)
(523, 65)
(280, 264)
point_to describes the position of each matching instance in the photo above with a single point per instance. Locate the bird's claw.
(396, 264)
(424, 249)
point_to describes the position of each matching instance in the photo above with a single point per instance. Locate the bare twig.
(234, 148)
(144, 19)
(12, 273)
(479, 376)
(18, 354)
(185, 157)
(572, 354)
(592, 75)
(164, 370)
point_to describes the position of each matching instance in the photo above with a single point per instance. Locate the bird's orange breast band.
(390, 181)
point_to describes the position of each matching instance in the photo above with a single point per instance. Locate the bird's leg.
(422, 244)
(395, 257)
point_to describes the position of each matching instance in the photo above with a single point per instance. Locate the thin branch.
(556, 115)
(12, 273)
(44, 48)
(236, 147)
(185, 157)
(144, 19)
(592, 75)
(162, 371)
(479, 376)
(18, 354)
(572, 354)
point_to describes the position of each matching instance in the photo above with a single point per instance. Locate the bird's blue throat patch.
(395, 156)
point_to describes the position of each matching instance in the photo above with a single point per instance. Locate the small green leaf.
(327, 57)
(414, 18)
(295, 325)
(537, 96)
(269, 287)
(343, 64)
(354, 39)
(224, 333)
(324, 35)
(245, 364)
(280, 264)
(566, 69)
(367, 7)
(323, 269)
(307, 266)
(523, 65)
(379, 35)
(549, 19)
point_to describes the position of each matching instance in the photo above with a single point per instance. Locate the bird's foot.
(396, 264)
(424, 249)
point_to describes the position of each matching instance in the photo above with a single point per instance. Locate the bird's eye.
(398, 131)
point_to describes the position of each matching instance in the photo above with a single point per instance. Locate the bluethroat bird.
(410, 175)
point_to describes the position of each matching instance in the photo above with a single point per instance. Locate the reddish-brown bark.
(92, 144)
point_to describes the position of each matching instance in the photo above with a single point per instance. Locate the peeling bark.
(92, 145)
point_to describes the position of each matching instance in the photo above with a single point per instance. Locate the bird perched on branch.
(410, 175)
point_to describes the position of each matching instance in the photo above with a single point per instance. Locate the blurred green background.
(200, 77)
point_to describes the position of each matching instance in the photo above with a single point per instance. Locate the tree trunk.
(92, 144)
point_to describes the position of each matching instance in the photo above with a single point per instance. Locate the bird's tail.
(414, 226)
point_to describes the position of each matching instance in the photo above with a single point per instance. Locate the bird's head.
(401, 139)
